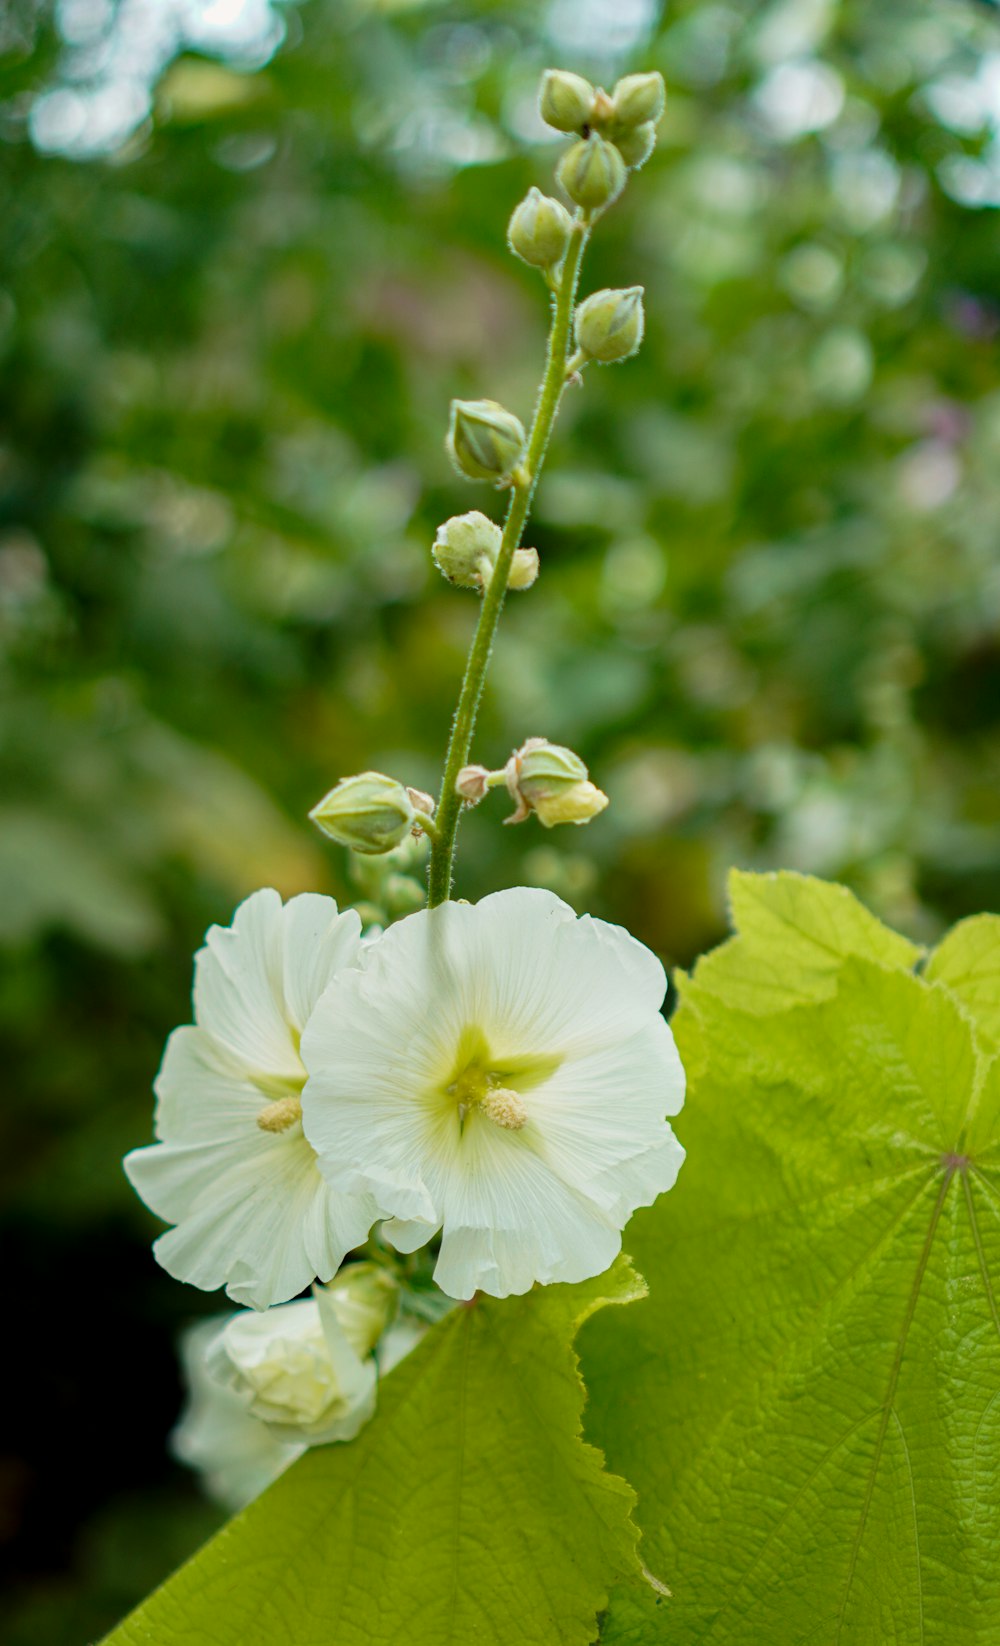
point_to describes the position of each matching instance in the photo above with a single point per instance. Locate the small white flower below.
(263, 1387)
(501, 1073)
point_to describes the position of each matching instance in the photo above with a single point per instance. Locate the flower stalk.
(523, 485)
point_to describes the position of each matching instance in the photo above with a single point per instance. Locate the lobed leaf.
(809, 1403)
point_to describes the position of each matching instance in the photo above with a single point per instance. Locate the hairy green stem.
(460, 743)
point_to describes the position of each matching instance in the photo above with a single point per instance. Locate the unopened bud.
(523, 569)
(472, 783)
(466, 549)
(592, 172)
(539, 230)
(369, 813)
(485, 442)
(603, 111)
(421, 801)
(553, 782)
(635, 144)
(608, 325)
(367, 1297)
(565, 100)
(638, 98)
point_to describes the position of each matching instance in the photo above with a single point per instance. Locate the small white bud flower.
(485, 442)
(472, 784)
(608, 326)
(565, 100)
(553, 782)
(461, 547)
(639, 98)
(523, 569)
(635, 144)
(592, 172)
(539, 230)
(304, 1368)
(369, 813)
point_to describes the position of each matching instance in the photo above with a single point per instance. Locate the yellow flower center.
(285, 1108)
(493, 1086)
(281, 1114)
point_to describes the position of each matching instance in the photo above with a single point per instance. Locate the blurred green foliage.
(242, 274)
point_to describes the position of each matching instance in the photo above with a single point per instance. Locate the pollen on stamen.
(280, 1115)
(505, 1108)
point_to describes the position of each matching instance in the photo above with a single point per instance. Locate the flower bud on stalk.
(485, 442)
(370, 813)
(639, 98)
(465, 552)
(539, 230)
(523, 569)
(553, 782)
(465, 549)
(592, 172)
(565, 100)
(609, 324)
(636, 143)
(472, 783)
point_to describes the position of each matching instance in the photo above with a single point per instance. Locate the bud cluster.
(624, 121)
(540, 777)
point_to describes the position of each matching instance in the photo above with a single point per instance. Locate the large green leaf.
(469, 1510)
(809, 1403)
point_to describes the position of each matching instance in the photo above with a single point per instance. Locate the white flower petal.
(509, 1222)
(318, 942)
(203, 1092)
(239, 988)
(259, 1219)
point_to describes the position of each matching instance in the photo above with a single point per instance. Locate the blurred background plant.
(250, 252)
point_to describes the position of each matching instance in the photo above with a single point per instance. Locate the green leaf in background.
(792, 935)
(968, 963)
(809, 1403)
(469, 1510)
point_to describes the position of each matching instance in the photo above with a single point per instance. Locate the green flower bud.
(367, 1297)
(551, 781)
(565, 100)
(539, 230)
(635, 144)
(592, 172)
(465, 552)
(485, 442)
(466, 548)
(369, 813)
(638, 98)
(608, 325)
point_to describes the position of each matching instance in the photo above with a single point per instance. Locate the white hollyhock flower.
(233, 1169)
(501, 1073)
